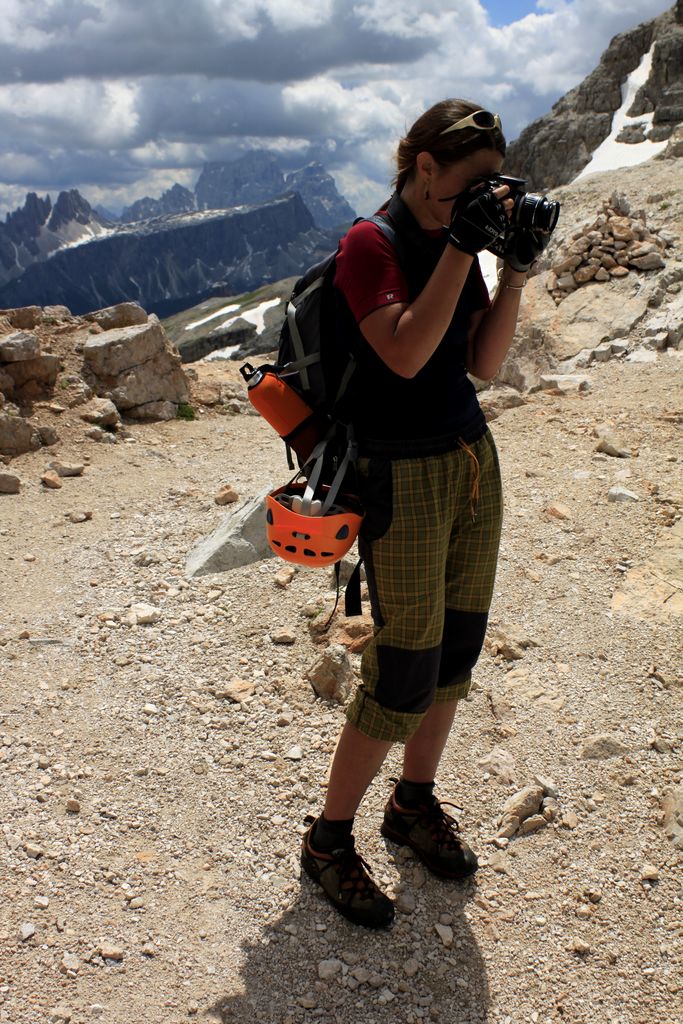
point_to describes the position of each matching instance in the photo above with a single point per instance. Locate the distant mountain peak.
(252, 177)
(176, 199)
(318, 190)
(38, 229)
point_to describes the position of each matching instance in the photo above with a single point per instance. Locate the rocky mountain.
(556, 147)
(251, 178)
(142, 260)
(38, 228)
(255, 177)
(176, 199)
(319, 192)
(171, 263)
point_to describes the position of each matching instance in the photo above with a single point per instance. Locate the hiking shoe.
(431, 833)
(345, 879)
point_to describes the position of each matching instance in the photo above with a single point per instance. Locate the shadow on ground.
(403, 974)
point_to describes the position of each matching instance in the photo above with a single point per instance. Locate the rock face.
(252, 178)
(133, 364)
(319, 192)
(163, 253)
(176, 199)
(25, 374)
(17, 436)
(553, 149)
(136, 367)
(565, 325)
(170, 264)
(124, 315)
(37, 229)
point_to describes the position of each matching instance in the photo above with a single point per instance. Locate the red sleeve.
(368, 274)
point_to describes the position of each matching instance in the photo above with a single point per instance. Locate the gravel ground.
(151, 827)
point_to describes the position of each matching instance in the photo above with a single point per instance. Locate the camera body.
(529, 210)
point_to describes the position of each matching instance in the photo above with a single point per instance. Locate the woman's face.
(447, 181)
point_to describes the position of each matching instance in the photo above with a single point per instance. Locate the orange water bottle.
(286, 411)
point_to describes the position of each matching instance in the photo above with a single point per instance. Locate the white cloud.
(290, 15)
(431, 17)
(99, 114)
(130, 95)
(326, 105)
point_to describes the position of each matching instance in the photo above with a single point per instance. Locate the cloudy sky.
(121, 98)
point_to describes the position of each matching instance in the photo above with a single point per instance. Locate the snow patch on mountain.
(611, 154)
(219, 312)
(255, 316)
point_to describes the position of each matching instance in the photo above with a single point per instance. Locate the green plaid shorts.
(431, 567)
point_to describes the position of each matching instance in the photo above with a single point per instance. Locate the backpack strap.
(316, 461)
(321, 272)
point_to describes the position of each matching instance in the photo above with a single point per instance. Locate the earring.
(426, 192)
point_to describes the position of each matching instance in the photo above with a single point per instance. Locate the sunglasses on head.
(483, 120)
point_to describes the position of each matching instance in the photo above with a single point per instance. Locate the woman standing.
(421, 319)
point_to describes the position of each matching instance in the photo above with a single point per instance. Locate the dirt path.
(170, 888)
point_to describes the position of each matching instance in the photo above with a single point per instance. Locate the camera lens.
(535, 212)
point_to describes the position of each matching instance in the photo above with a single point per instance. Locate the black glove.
(477, 221)
(522, 247)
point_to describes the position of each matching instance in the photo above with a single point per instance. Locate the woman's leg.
(356, 761)
(424, 748)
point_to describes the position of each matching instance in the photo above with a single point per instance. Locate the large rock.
(124, 314)
(554, 148)
(25, 318)
(239, 540)
(151, 412)
(601, 746)
(672, 806)
(6, 384)
(591, 316)
(524, 803)
(113, 352)
(136, 366)
(18, 345)
(17, 436)
(160, 379)
(33, 378)
(547, 333)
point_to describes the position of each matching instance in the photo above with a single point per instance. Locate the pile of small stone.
(616, 243)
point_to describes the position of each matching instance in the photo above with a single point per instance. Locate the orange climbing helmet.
(311, 531)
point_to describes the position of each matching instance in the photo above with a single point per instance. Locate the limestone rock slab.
(239, 540)
(17, 436)
(124, 314)
(159, 379)
(113, 352)
(653, 591)
(33, 377)
(17, 346)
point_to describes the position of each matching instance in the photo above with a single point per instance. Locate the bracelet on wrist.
(513, 287)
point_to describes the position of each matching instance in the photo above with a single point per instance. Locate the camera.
(529, 211)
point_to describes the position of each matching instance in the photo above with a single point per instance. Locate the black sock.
(414, 794)
(331, 835)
